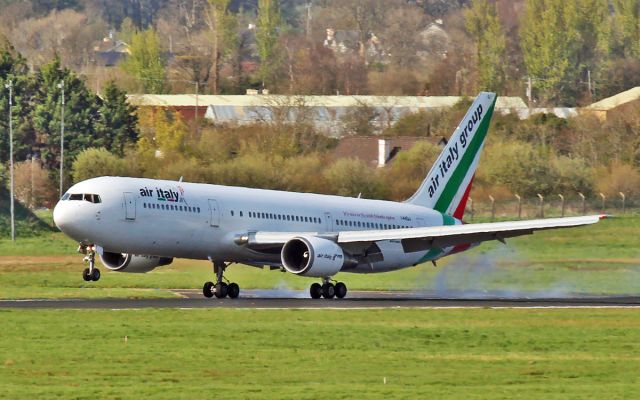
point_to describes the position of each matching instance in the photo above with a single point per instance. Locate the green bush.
(91, 163)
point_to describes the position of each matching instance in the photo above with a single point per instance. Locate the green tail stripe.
(448, 220)
(432, 254)
(454, 183)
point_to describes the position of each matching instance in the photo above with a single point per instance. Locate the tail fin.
(447, 186)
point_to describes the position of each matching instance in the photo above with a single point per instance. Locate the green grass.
(287, 354)
(599, 259)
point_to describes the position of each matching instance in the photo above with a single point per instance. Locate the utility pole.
(61, 86)
(529, 92)
(308, 27)
(197, 108)
(589, 81)
(9, 86)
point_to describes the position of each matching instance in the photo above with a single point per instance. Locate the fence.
(560, 205)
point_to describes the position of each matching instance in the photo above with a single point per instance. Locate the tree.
(116, 125)
(561, 42)
(67, 34)
(146, 62)
(483, 25)
(352, 177)
(267, 39)
(14, 67)
(626, 28)
(80, 113)
(32, 185)
(94, 162)
(548, 35)
(400, 35)
(408, 169)
(223, 24)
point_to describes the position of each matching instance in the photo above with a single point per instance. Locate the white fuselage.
(201, 221)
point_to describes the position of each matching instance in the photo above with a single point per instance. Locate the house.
(625, 102)
(324, 112)
(379, 152)
(110, 51)
(434, 42)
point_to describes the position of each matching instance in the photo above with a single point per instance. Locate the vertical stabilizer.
(447, 186)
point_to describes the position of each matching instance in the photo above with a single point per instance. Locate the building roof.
(418, 102)
(366, 148)
(615, 101)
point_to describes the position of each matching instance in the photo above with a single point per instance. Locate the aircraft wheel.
(315, 291)
(233, 290)
(328, 291)
(95, 275)
(341, 290)
(221, 290)
(85, 275)
(207, 290)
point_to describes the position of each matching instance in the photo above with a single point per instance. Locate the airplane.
(136, 225)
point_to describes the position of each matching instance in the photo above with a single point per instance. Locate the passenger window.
(232, 213)
(241, 213)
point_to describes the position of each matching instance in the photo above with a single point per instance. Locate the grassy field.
(600, 259)
(279, 354)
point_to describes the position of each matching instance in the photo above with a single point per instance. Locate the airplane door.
(215, 213)
(129, 206)
(328, 221)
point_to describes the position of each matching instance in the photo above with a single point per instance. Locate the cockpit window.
(91, 198)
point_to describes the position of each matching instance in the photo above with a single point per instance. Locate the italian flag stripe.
(454, 183)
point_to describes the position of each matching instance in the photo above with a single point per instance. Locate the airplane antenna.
(180, 180)
(360, 195)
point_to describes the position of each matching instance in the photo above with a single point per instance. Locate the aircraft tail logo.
(447, 186)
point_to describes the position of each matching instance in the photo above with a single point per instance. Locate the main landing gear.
(328, 290)
(220, 289)
(92, 273)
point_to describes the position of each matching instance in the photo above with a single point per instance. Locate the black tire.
(85, 275)
(207, 290)
(95, 275)
(315, 291)
(233, 290)
(221, 290)
(341, 290)
(328, 291)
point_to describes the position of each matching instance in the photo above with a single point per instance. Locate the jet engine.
(132, 262)
(313, 256)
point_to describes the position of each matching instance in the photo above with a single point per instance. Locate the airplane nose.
(60, 215)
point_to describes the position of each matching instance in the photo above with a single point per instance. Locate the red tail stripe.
(459, 213)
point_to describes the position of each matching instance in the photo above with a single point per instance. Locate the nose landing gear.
(220, 289)
(92, 273)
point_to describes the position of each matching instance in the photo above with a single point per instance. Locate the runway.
(288, 299)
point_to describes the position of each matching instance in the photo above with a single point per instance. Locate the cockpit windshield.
(91, 198)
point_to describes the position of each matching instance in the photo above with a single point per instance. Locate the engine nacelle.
(313, 256)
(132, 262)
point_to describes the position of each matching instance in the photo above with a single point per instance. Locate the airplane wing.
(417, 239)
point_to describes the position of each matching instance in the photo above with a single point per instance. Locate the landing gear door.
(328, 222)
(129, 206)
(215, 213)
